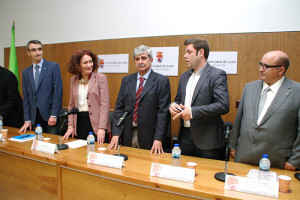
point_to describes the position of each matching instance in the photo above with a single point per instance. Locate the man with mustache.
(146, 95)
(42, 91)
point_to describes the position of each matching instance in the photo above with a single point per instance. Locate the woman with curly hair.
(88, 93)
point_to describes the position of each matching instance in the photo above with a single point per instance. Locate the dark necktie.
(262, 100)
(37, 75)
(137, 102)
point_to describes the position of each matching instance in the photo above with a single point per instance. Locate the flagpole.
(13, 63)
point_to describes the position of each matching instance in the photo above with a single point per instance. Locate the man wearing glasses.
(268, 117)
(42, 91)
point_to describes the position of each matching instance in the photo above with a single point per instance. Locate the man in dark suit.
(202, 97)
(147, 94)
(11, 108)
(268, 117)
(42, 91)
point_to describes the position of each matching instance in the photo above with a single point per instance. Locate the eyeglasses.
(265, 66)
(34, 49)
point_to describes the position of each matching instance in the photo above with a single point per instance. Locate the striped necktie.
(137, 102)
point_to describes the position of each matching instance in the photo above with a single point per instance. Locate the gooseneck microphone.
(221, 176)
(228, 126)
(127, 111)
(61, 146)
(72, 111)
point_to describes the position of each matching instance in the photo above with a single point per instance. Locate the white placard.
(252, 186)
(44, 147)
(226, 60)
(165, 60)
(76, 144)
(173, 172)
(2, 139)
(113, 63)
(106, 160)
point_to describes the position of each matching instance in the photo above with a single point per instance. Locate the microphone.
(228, 127)
(221, 176)
(71, 112)
(128, 110)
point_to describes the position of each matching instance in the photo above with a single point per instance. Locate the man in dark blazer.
(202, 97)
(151, 125)
(42, 91)
(275, 131)
(11, 108)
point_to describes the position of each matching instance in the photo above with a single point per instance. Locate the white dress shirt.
(270, 96)
(189, 92)
(82, 97)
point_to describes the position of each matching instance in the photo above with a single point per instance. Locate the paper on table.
(76, 144)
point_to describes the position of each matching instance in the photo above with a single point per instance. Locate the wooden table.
(28, 174)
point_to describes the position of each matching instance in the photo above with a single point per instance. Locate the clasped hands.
(180, 111)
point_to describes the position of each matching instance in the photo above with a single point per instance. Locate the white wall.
(58, 21)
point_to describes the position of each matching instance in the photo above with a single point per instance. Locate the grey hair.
(32, 42)
(142, 49)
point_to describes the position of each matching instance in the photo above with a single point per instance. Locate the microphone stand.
(221, 176)
(61, 146)
(118, 154)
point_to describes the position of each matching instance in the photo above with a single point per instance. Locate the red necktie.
(137, 102)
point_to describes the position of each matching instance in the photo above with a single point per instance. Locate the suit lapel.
(132, 86)
(149, 83)
(255, 98)
(31, 78)
(282, 94)
(202, 79)
(75, 89)
(185, 80)
(43, 72)
(92, 81)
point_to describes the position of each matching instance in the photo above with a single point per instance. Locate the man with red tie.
(146, 96)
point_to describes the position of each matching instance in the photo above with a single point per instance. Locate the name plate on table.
(106, 160)
(252, 186)
(172, 172)
(2, 139)
(44, 147)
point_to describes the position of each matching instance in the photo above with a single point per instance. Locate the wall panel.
(250, 46)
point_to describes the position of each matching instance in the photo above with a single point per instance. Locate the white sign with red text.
(165, 60)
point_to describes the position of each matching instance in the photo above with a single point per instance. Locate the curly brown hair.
(74, 63)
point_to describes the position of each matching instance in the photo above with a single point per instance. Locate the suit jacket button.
(89, 105)
(87, 97)
(90, 113)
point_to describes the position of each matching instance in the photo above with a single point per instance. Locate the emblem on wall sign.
(101, 62)
(159, 56)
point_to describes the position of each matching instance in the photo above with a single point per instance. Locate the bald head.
(278, 58)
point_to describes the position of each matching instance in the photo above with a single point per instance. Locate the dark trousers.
(189, 148)
(46, 128)
(84, 125)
